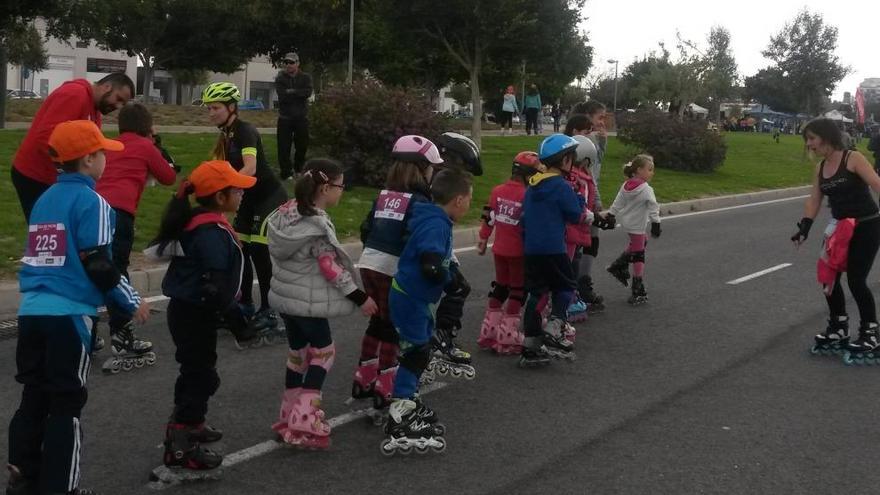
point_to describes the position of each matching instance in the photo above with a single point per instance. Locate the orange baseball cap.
(77, 138)
(215, 175)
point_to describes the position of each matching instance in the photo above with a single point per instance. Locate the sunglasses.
(288, 62)
(340, 186)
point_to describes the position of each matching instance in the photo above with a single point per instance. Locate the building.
(847, 98)
(85, 60)
(79, 59)
(871, 89)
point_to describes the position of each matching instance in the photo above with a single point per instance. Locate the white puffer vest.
(298, 288)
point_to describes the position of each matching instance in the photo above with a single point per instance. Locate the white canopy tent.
(697, 109)
(837, 116)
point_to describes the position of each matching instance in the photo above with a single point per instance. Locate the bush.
(359, 124)
(688, 146)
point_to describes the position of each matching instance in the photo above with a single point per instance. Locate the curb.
(148, 282)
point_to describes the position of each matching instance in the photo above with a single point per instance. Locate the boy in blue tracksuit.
(67, 272)
(422, 273)
(549, 204)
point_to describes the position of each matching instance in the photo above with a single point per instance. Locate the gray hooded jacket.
(299, 286)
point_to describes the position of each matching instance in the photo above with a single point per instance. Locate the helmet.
(223, 92)
(464, 148)
(417, 149)
(555, 147)
(586, 149)
(526, 163)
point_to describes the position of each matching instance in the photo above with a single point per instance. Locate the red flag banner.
(860, 107)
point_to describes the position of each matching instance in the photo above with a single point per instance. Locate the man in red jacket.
(32, 169)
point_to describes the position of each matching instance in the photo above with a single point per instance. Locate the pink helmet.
(416, 149)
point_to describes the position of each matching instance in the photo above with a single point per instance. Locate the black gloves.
(606, 223)
(803, 230)
(655, 229)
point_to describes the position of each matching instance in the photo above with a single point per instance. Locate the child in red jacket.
(122, 184)
(501, 332)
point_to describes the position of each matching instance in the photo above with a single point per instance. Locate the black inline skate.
(534, 354)
(619, 269)
(269, 330)
(182, 451)
(639, 294)
(595, 302)
(407, 431)
(556, 342)
(835, 338)
(864, 350)
(129, 352)
(447, 359)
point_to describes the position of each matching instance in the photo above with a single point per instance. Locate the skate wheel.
(439, 429)
(127, 365)
(140, 362)
(150, 358)
(456, 372)
(112, 367)
(470, 374)
(422, 449)
(387, 449)
(439, 448)
(405, 449)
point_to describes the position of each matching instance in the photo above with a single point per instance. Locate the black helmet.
(462, 147)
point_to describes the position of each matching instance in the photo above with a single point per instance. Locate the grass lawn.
(754, 162)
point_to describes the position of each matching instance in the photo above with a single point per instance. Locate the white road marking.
(758, 274)
(268, 446)
(727, 208)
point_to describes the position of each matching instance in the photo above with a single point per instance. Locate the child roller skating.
(501, 327)
(634, 207)
(422, 273)
(202, 282)
(549, 205)
(66, 273)
(578, 237)
(127, 174)
(314, 279)
(384, 234)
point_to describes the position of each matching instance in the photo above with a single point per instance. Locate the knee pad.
(499, 292)
(416, 357)
(387, 334)
(322, 356)
(593, 250)
(637, 257)
(68, 402)
(296, 360)
(458, 288)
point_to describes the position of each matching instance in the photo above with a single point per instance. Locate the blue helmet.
(556, 146)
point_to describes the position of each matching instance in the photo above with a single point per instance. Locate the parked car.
(251, 105)
(22, 94)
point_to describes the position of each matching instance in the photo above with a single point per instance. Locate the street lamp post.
(613, 61)
(351, 43)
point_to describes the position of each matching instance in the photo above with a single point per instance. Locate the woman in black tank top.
(846, 178)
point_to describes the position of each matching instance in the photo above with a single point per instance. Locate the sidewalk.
(206, 129)
(148, 282)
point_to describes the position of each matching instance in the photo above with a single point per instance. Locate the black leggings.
(862, 250)
(262, 263)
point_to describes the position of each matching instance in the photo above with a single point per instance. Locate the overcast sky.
(626, 29)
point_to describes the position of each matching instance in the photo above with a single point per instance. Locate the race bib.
(508, 211)
(392, 205)
(46, 246)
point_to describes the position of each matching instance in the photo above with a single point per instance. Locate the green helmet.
(224, 92)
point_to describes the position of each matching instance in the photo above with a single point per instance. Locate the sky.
(626, 29)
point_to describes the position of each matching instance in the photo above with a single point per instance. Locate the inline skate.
(129, 352)
(407, 431)
(835, 338)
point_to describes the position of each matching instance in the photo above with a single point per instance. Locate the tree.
(719, 70)
(63, 18)
(770, 87)
(461, 94)
(482, 36)
(804, 52)
(190, 78)
(176, 34)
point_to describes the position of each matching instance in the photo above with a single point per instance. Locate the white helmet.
(586, 149)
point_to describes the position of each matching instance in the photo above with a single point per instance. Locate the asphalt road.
(709, 388)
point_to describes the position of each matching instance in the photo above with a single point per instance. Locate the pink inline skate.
(489, 329)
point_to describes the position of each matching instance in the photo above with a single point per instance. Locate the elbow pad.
(100, 269)
(432, 267)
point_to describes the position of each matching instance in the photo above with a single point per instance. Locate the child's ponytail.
(177, 215)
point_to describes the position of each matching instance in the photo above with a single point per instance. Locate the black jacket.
(293, 94)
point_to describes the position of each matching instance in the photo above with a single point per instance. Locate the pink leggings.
(637, 245)
(508, 285)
